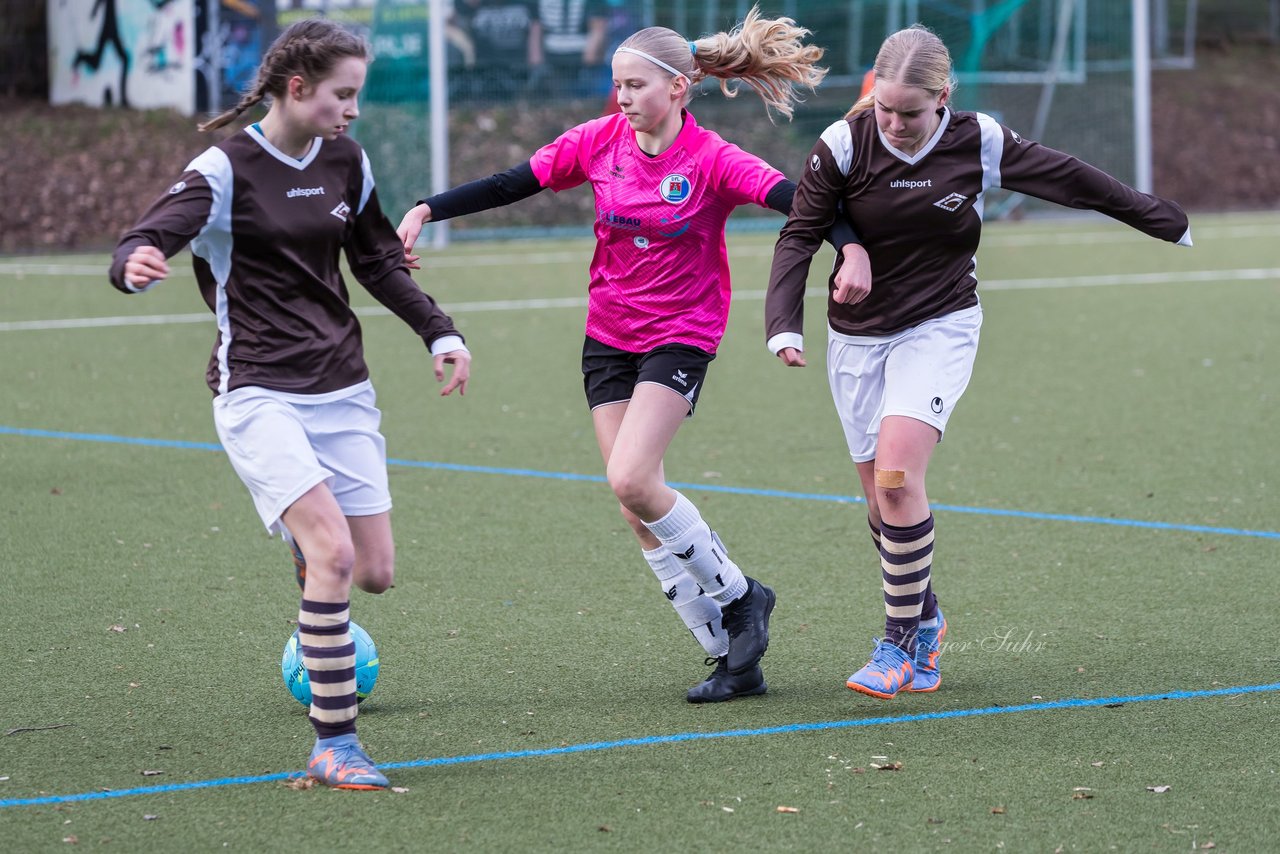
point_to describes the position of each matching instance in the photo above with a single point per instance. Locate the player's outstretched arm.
(499, 189)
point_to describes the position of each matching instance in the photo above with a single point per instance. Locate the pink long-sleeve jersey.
(660, 273)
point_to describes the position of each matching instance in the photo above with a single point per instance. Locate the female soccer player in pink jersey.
(267, 212)
(659, 295)
(903, 333)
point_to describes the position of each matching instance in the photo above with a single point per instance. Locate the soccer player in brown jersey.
(903, 312)
(266, 212)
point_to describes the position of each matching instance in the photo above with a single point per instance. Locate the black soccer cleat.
(747, 621)
(722, 685)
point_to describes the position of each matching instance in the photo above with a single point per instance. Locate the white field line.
(994, 238)
(462, 308)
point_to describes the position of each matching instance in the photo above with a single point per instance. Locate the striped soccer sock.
(329, 654)
(929, 614)
(929, 611)
(906, 561)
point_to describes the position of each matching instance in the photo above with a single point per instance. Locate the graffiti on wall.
(128, 53)
(239, 42)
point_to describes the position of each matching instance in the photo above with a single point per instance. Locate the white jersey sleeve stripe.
(992, 150)
(214, 244)
(839, 139)
(368, 182)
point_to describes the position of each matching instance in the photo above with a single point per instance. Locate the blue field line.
(702, 487)
(675, 738)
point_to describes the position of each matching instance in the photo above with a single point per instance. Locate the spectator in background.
(507, 37)
(240, 55)
(572, 50)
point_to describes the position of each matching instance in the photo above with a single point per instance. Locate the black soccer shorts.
(610, 375)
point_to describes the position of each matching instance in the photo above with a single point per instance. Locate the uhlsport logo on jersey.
(341, 211)
(675, 188)
(950, 202)
(178, 188)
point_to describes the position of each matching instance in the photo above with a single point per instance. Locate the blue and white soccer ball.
(295, 672)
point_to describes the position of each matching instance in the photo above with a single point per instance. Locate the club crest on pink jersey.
(675, 188)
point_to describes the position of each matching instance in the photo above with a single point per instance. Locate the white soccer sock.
(690, 542)
(700, 613)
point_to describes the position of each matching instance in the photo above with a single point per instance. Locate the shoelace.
(880, 652)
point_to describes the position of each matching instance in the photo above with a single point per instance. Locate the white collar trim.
(924, 149)
(312, 153)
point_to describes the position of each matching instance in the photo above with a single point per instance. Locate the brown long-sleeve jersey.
(265, 231)
(920, 216)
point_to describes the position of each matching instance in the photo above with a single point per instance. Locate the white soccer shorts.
(920, 373)
(282, 445)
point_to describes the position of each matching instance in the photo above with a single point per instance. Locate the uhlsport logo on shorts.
(675, 188)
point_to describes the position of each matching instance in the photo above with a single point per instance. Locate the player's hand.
(792, 358)
(145, 264)
(409, 229)
(853, 279)
(461, 361)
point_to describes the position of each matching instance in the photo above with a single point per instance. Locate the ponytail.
(250, 98)
(766, 54)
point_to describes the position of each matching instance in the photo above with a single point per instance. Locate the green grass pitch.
(1108, 531)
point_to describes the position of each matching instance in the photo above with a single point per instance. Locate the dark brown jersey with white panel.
(920, 217)
(266, 231)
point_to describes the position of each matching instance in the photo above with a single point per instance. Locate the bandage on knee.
(890, 479)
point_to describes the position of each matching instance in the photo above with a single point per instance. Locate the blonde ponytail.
(766, 54)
